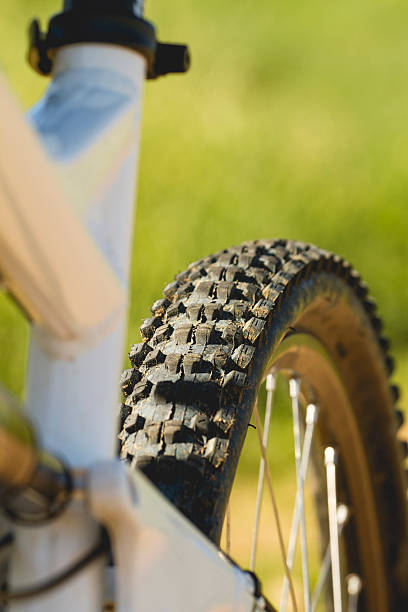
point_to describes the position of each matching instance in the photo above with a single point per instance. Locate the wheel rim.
(315, 387)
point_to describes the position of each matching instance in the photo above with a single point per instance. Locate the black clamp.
(121, 28)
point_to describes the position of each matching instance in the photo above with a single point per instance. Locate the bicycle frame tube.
(33, 259)
(89, 121)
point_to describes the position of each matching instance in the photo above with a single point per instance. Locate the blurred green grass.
(289, 124)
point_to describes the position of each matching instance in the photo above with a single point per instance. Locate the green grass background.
(291, 123)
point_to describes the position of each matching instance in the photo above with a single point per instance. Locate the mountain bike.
(279, 311)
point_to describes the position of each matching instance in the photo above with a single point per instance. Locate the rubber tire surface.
(195, 377)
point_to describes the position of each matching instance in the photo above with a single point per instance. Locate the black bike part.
(44, 497)
(99, 22)
(34, 485)
(134, 7)
(101, 548)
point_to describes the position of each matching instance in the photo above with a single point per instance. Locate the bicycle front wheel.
(263, 309)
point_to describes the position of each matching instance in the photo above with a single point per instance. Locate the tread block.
(217, 355)
(206, 333)
(246, 259)
(159, 307)
(173, 362)
(370, 305)
(250, 246)
(216, 272)
(271, 263)
(236, 309)
(142, 444)
(128, 380)
(200, 423)
(154, 358)
(189, 415)
(204, 288)
(140, 390)
(225, 418)
(213, 312)
(162, 412)
(232, 333)
(182, 334)
(194, 311)
(137, 353)
(202, 377)
(281, 252)
(304, 258)
(179, 412)
(175, 309)
(234, 379)
(261, 275)
(184, 290)
(226, 258)
(283, 278)
(128, 446)
(153, 432)
(146, 409)
(377, 324)
(243, 355)
(395, 393)
(185, 451)
(399, 418)
(162, 334)
(250, 291)
(182, 276)
(385, 343)
(262, 309)
(195, 274)
(199, 393)
(161, 373)
(124, 412)
(253, 329)
(134, 422)
(272, 292)
(389, 364)
(149, 326)
(216, 451)
(170, 289)
(235, 273)
(226, 290)
(292, 268)
(175, 432)
(193, 363)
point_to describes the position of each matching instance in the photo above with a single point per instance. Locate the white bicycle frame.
(65, 239)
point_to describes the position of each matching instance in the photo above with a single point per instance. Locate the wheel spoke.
(275, 508)
(354, 586)
(311, 418)
(294, 389)
(342, 516)
(270, 387)
(330, 460)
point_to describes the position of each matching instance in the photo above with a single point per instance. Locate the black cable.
(101, 548)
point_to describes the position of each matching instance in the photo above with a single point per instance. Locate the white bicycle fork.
(89, 121)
